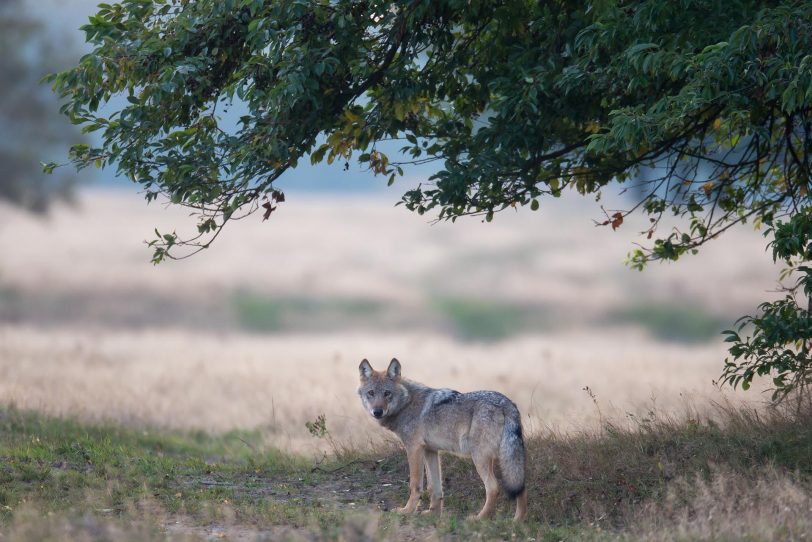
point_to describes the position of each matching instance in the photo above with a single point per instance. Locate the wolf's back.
(511, 454)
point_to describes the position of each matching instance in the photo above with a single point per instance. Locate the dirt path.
(359, 489)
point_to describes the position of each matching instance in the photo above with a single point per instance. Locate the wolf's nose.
(378, 412)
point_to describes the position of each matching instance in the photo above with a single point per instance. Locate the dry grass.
(771, 505)
(275, 384)
(89, 328)
(730, 474)
(30, 524)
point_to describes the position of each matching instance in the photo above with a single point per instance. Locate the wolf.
(483, 425)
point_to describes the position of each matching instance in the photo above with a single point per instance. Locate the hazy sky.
(66, 16)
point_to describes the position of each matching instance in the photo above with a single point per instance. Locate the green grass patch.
(675, 323)
(466, 318)
(260, 313)
(57, 463)
(490, 320)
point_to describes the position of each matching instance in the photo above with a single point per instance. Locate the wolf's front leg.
(435, 481)
(416, 457)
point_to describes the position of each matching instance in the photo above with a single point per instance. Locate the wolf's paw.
(406, 510)
(435, 511)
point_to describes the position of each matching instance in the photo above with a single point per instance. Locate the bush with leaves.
(782, 331)
(703, 108)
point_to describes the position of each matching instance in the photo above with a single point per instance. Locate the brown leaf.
(269, 208)
(617, 220)
(278, 196)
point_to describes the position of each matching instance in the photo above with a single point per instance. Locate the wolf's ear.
(394, 369)
(365, 369)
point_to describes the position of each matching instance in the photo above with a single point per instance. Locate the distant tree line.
(30, 128)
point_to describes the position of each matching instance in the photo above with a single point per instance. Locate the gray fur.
(479, 424)
(511, 455)
(394, 369)
(365, 369)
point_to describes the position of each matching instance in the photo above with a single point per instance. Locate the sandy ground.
(220, 380)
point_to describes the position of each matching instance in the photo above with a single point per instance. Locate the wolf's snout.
(378, 412)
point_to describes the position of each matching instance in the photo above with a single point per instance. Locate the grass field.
(738, 475)
(275, 383)
(143, 402)
(265, 330)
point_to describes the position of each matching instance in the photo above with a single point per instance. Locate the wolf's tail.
(511, 454)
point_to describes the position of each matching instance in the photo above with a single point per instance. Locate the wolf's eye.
(387, 394)
(371, 393)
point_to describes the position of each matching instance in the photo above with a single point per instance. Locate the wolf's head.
(382, 393)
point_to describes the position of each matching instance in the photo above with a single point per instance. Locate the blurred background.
(266, 329)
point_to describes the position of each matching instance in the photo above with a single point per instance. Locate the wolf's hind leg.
(416, 457)
(521, 506)
(485, 468)
(435, 481)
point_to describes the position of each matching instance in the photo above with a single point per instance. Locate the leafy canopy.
(701, 107)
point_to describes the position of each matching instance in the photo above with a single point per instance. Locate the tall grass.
(728, 473)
